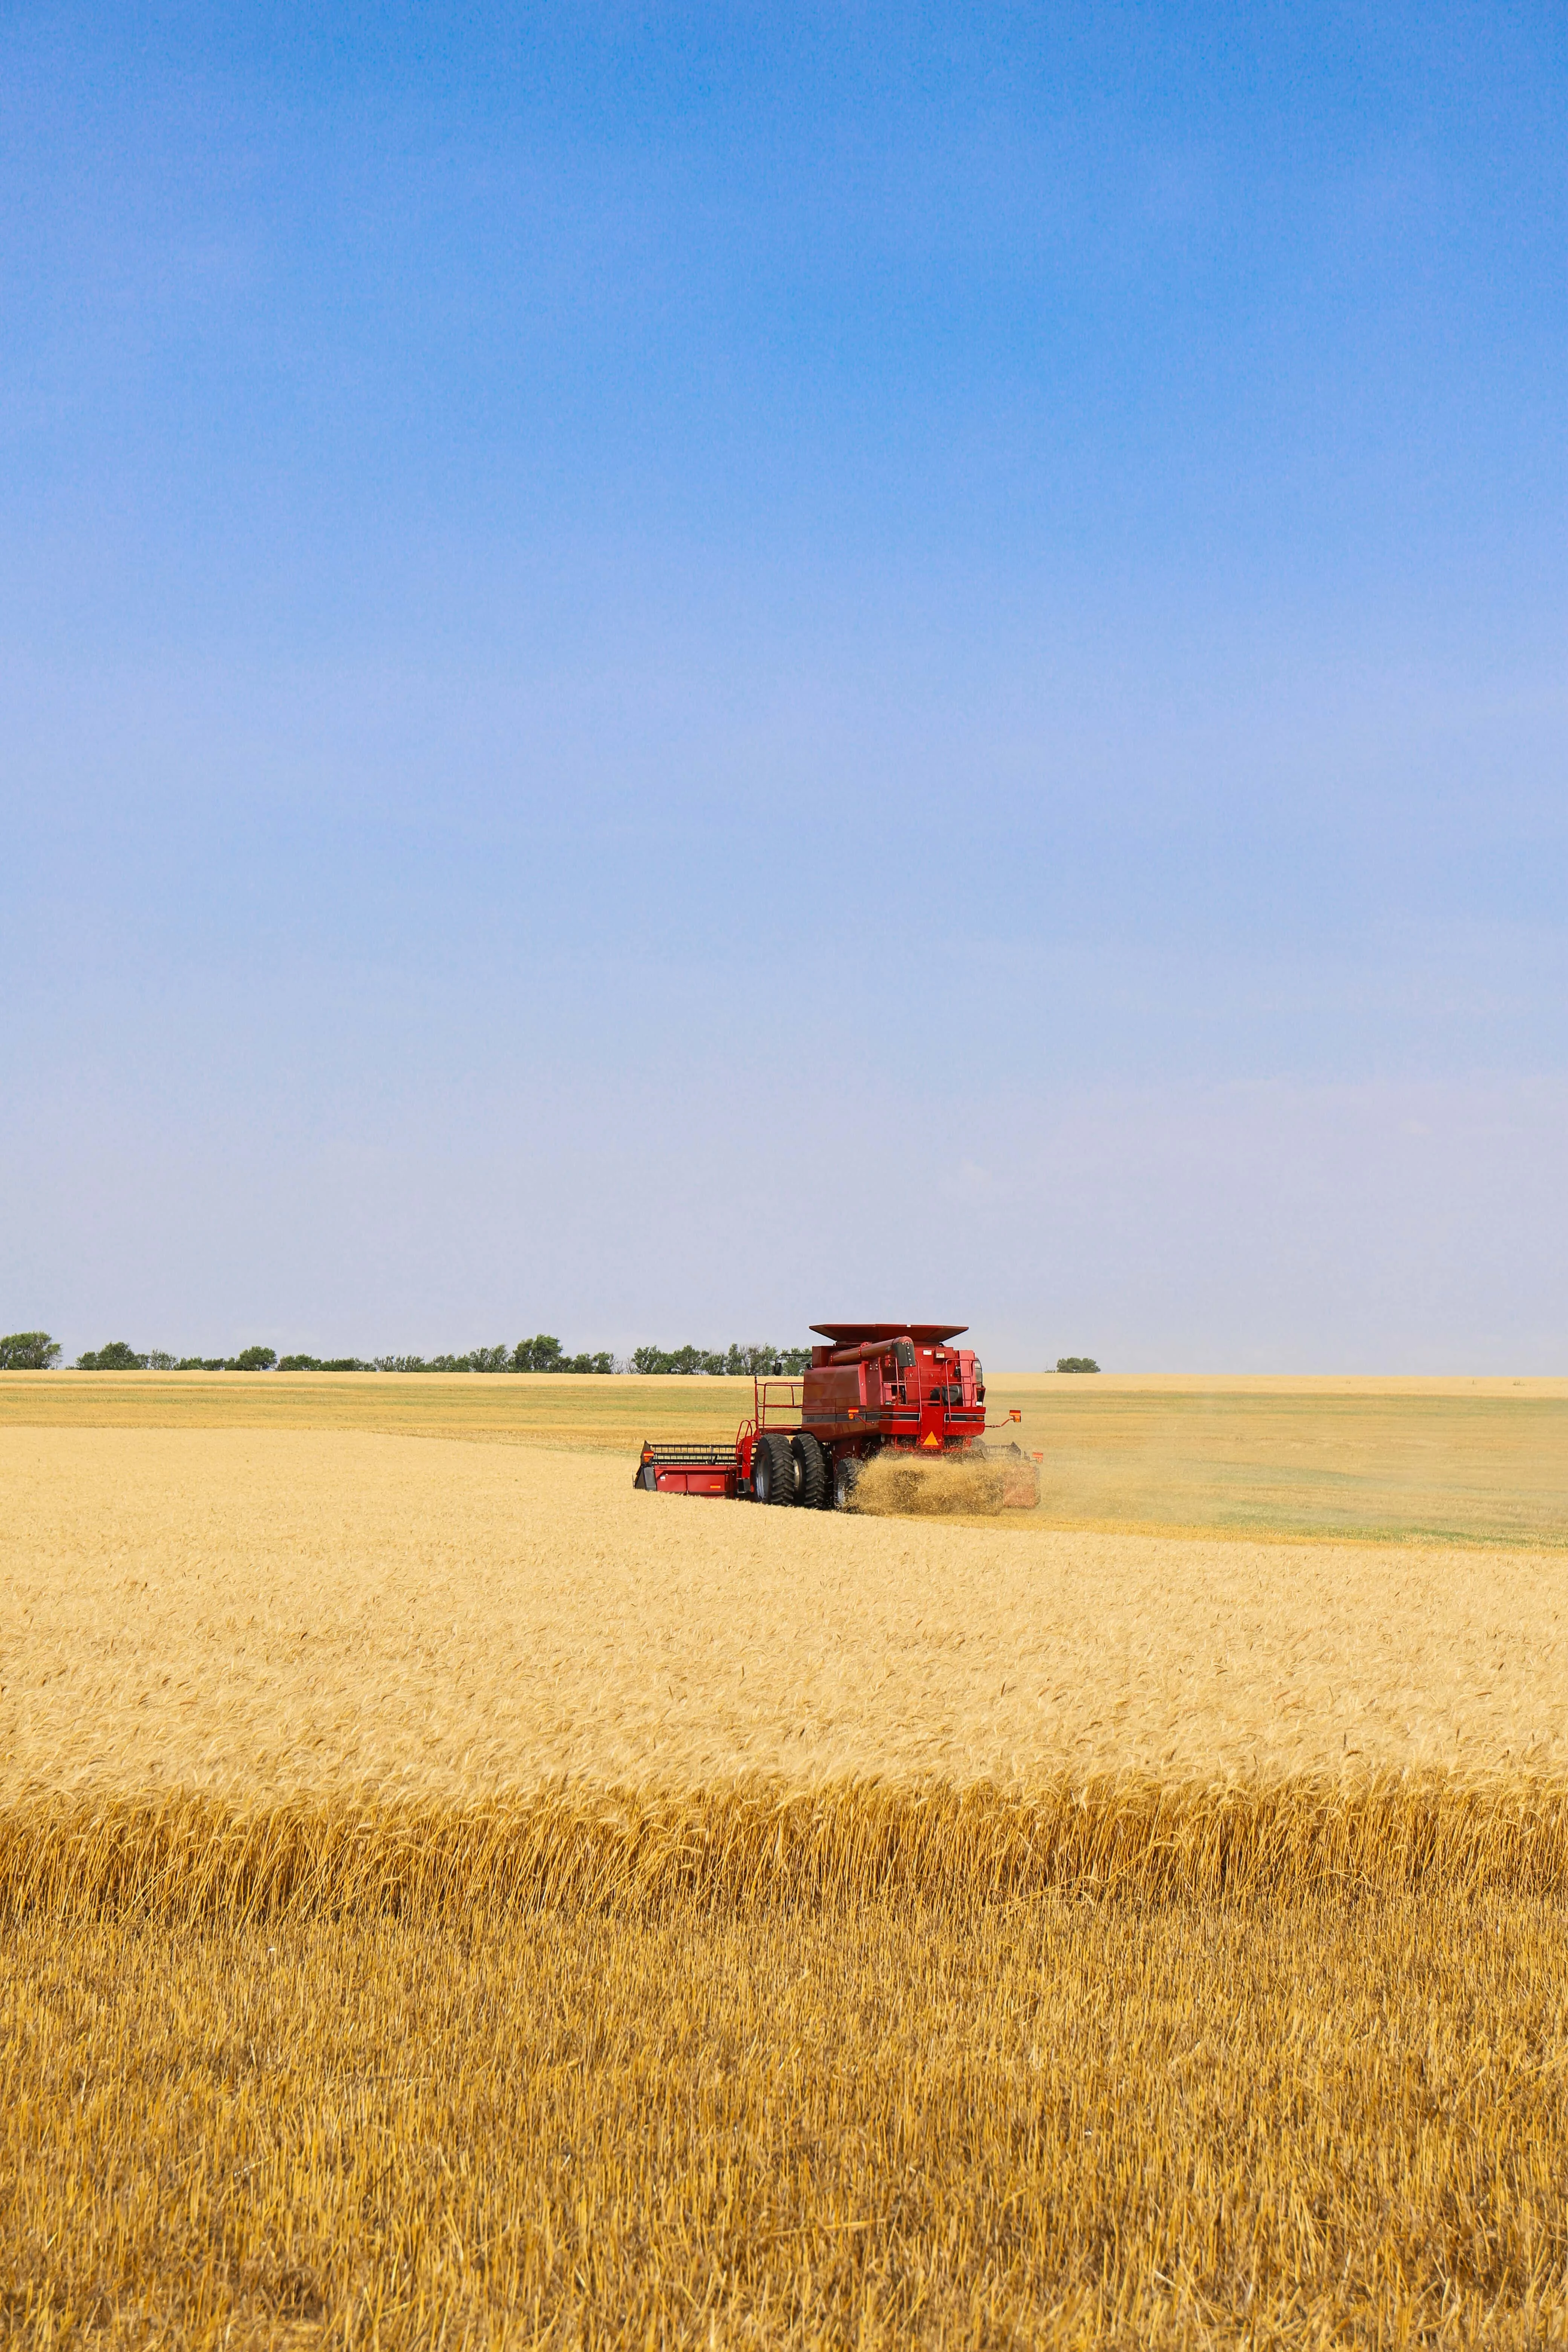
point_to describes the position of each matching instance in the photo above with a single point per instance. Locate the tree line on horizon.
(36, 1351)
(735, 1361)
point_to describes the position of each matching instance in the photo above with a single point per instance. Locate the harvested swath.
(760, 1848)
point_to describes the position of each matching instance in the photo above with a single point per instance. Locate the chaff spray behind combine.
(883, 1393)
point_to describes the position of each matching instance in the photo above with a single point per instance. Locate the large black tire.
(772, 1468)
(811, 1486)
(846, 1471)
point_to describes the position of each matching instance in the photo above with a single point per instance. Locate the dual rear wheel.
(814, 1482)
(792, 1470)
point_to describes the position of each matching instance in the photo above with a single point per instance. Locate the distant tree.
(202, 1364)
(795, 1360)
(160, 1360)
(252, 1359)
(542, 1353)
(381, 1364)
(345, 1364)
(29, 1351)
(117, 1356)
(1076, 1364)
(299, 1363)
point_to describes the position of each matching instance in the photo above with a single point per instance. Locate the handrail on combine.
(775, 1404)
(776, 1410)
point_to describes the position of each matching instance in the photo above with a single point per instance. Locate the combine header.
(874, 1388)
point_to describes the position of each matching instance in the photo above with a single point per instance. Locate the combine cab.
(871, 1388)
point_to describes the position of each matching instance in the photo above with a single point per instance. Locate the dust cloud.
(902, 1486)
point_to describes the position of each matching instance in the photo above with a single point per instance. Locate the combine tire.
(846, 1471)
(811, 1487)
(772, 1468)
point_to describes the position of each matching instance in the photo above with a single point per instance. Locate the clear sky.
(673, 672)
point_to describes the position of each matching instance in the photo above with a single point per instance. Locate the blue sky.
(674, 672)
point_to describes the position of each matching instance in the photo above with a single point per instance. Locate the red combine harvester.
(874, 1388)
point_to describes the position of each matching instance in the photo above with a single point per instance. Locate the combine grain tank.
(872, 1387)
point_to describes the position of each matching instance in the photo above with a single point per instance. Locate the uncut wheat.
(276, 1612)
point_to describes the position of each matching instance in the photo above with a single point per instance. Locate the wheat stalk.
(756, 1846)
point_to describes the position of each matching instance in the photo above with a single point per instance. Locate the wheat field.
(451, 1897)
(1072, 2123)
(267, 1611)
(1429, 1460)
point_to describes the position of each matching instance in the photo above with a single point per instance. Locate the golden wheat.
(759, 1848)
(267, 1612)
(1057, 2123)
(1479, 1460)
(449, 1898)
